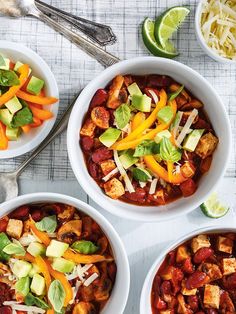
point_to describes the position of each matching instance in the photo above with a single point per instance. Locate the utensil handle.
(58, 129)
(103, 57)
(101, 33)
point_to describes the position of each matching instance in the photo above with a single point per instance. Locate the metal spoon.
(98, 32)
(19, 8)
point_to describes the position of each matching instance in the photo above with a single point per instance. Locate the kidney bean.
(93, 170)
(5, 310)
(140, 80)
(20, 213)
(187, 266)
(160, 304)
(5, 293)
(172, 257)
(37, 215)
(101, 154)
(87, 143)
(193, 302)
(177, 277)
(99, 98)
(112, 270)
(157, 284)
(188, 187)
(159, 80)
(3, 224)
(230, 282)
(202, 254)
(205, 164)
(196, 280)
(212, 311)
(138, 196)
(166, 287)
(202, 124)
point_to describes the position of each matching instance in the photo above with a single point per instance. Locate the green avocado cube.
(56, 248)
(160, 135)
(133, 89)
(109, 137)
(192, 140)
(12, 133)
(36, 249)
(142, 103)
(127, 159)
(13, 105)
(35, 85)
(34, 270)
(6, 117)
(21, 268)
(6, 66)
(38, 284)
(62, 265)
(165, 115)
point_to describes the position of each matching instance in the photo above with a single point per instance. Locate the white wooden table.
(73, 70)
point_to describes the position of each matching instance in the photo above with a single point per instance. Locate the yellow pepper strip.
(138, 119)
(161, 172)
(27, 257)
(23, 70)
(44, 270)
(43, 237)
(36, 99)
(147, 123)
(50, 311)
(65, 283)
(82, 258)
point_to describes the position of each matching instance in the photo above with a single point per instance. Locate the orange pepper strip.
(43, 237)
(23, 70)
(50, 311)
(26, 128)
(65, 283)
(27, 257)
(137, 120)
(3, 137)
(36, 99)
(82, 258)
(37, 122)
(44, 270)
(147, 123)
(41, 114)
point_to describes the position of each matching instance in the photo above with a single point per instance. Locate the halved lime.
(169, 22)
(213, 208)
(152, 45)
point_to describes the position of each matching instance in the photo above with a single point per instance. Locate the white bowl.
(27, 142)
(201, 89)
(202, 41)
(120, 290)
(145, 300)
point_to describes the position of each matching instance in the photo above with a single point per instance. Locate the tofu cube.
(107, 166)
(212, 296)
(200, 242)
(182, 253)
(14, 228)
(225, 245)
(114, 188)
(187, 170)
(88, 128)
(229, 266)
(212, 270)
(185, 291)
(206, 145)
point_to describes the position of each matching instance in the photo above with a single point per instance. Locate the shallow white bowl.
(145, 300)
(202, 41)
(27, 142)
(201, 89)
(120, 291)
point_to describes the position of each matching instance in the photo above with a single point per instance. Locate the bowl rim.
(123, 286)
(52, 85)
(72, 140)
(148, 281)
(202, 41)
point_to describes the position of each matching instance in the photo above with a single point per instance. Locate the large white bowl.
(145, 300)
(26, 142)
(120, 290)
(201, 88)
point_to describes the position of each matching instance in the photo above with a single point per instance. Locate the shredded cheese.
(153, 186)
(82, 271)
(91, 279)
(123, 173)
(186, 127)
(154, 96)
(110, 174)
(25, 308)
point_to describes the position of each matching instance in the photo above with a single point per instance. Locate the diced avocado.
(142, 102)
(127, 159)
(18, 65)
(134, 89)
(56, 248)
(4, 241)
(109, 137)
(36, 249)
(192, 140)
(165, 115)
(13, 105)
(38, 284)
(12, 133)
(7, 64)
(35, 85)
(22, 285)
(141, 174)
(63, 265)
(34, 270)
(162, 134)
(21, 268)
(6, 117)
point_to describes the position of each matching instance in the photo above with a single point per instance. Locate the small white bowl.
(27, 142)
(145, 300)
(214, 107)
(119, 295)
(202, 41)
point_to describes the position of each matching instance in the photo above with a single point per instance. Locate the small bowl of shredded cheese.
(215, 23)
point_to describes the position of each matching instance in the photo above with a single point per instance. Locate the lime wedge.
(152, 45)
(213, 208)
(169, 22)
